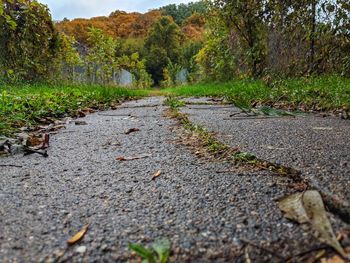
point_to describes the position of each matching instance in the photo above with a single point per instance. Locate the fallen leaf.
(45, 142)
(78, 236)
(347, 250)
(157, 174)
(81, 114)
(293, 208)
(308, 208)
(34, 140)
(317, 257)
(270, 147)
(131, 158)
(80, 123)
(132, 130)
(334, 259)
(322, 128)
(88, 110)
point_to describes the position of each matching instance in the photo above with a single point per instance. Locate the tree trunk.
(312, 37)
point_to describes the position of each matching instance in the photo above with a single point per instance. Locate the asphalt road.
(317, 146)
(207, 216)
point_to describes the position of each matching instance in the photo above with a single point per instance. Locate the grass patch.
(174, 103)
(25, 105)
(324, 93)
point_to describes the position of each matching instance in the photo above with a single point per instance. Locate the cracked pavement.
(205, 214)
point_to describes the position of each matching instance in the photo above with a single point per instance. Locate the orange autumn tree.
(118, 24)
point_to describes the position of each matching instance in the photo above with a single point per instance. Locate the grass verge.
(323, 93)
(26, 105)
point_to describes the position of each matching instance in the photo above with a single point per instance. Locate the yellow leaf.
(78, 236)
(157, 174)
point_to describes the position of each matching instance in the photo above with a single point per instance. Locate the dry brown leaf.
(347, 250)
(88, 110)
(132, 130)
(293, 208)
(316, 212)
(308, 208)
(80, 123)
(46, 141)
(317, 257)
(157, 174)
(334, 259)
(34, 140)
(78, 236)
(131, 158)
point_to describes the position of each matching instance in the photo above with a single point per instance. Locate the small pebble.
(81, 249)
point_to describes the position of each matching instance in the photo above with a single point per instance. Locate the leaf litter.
(307, 208)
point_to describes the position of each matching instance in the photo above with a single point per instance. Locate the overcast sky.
(90, 8)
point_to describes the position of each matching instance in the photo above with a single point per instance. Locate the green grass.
(25, 105)
(158, 253)
(174, 103)
(323, 93)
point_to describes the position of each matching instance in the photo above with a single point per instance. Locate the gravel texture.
(203, 213)
(317, 146)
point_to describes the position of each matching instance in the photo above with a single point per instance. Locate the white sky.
(90, 8)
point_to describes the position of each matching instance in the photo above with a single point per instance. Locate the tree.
(216, 59)
(101, 56)
(307, 36)
(193, 27)
(182, 11)
(246, 18)
(137, 68)
(28, 40)
(118, 24)
(67, 57)
(162, 45)
(277, 37)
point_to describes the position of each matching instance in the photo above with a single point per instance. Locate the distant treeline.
(120, 24)
(211, 40)
(153, 46)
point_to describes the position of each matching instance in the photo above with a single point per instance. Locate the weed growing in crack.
(174, 103)
(158, 253)
(245, 158)
(208, 140)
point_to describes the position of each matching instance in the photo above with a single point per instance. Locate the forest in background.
(217, 40)
(153, 46)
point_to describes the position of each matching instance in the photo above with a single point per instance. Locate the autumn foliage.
(125, 25)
